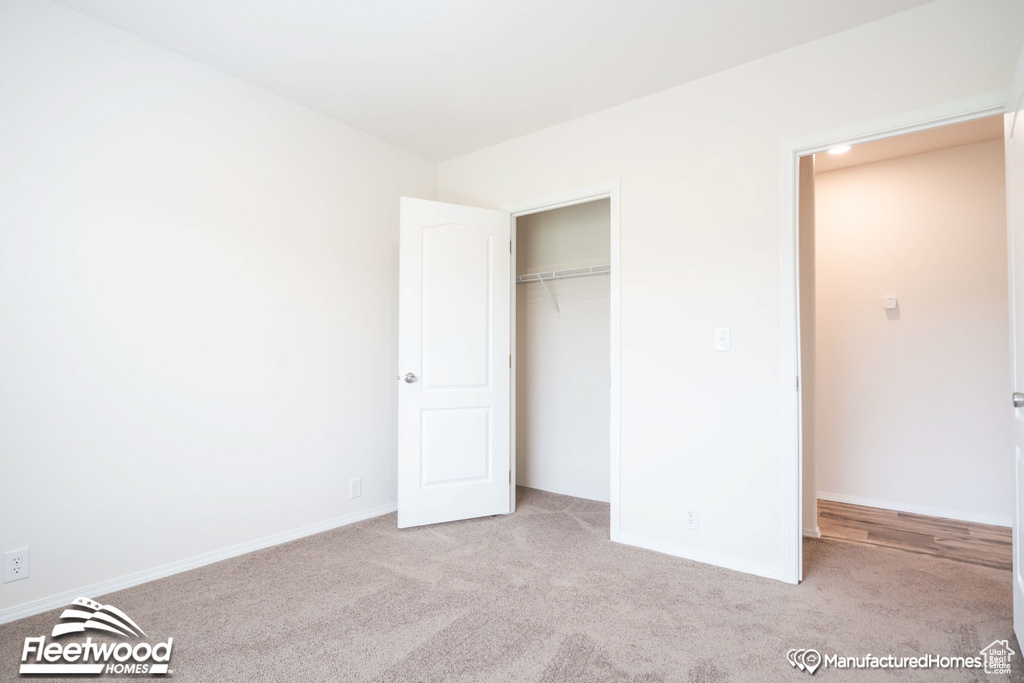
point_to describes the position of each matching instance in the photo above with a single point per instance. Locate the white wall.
(197, 306)
(807, 350)
(911, 405)
(699, 170)
(562, 358)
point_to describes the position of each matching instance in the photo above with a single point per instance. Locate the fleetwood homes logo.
(94, 658)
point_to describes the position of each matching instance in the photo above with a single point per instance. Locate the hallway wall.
(911, 405)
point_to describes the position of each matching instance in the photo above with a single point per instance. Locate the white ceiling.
(447, 77)
(966, 133)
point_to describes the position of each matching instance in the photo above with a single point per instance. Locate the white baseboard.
(715, 559)
(95, 590)
(994, 520)
(812, 533)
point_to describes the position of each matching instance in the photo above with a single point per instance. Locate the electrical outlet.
(355, 487)
(16, 566)
(692, 518)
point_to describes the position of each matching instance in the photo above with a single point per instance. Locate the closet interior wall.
(563, 353)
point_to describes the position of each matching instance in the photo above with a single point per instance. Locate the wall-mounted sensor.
(889, 303)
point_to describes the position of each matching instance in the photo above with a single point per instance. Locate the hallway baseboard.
(993, 520)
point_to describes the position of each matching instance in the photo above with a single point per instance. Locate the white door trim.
(790, 151)
(607, 190)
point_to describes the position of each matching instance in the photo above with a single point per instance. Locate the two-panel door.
(454, 361)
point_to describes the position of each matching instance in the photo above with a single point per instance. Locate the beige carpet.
(543, 596)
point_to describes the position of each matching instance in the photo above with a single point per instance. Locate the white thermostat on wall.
(890, 303)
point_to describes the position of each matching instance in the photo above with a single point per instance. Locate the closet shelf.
(567, 274)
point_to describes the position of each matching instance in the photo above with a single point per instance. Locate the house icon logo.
(997, 657)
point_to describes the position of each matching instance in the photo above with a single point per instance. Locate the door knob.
(1018, 399)
(410, 378)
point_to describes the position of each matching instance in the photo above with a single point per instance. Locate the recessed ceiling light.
(839, 150)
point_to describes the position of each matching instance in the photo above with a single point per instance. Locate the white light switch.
(721, 339)
(890, 303)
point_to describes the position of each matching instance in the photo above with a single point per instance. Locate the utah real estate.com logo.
(94, 658)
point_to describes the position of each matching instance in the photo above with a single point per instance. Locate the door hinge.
(510, 476)
(510, 361)
(510, 246)
(798, 382)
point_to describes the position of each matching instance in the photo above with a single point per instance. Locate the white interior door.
(453, 358)
(1014, 126)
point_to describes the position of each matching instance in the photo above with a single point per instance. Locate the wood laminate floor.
(955, 540)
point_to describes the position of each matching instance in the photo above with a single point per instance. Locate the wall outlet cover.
(16, 565)
(691, 518)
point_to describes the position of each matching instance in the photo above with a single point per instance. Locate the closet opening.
(564, 364)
